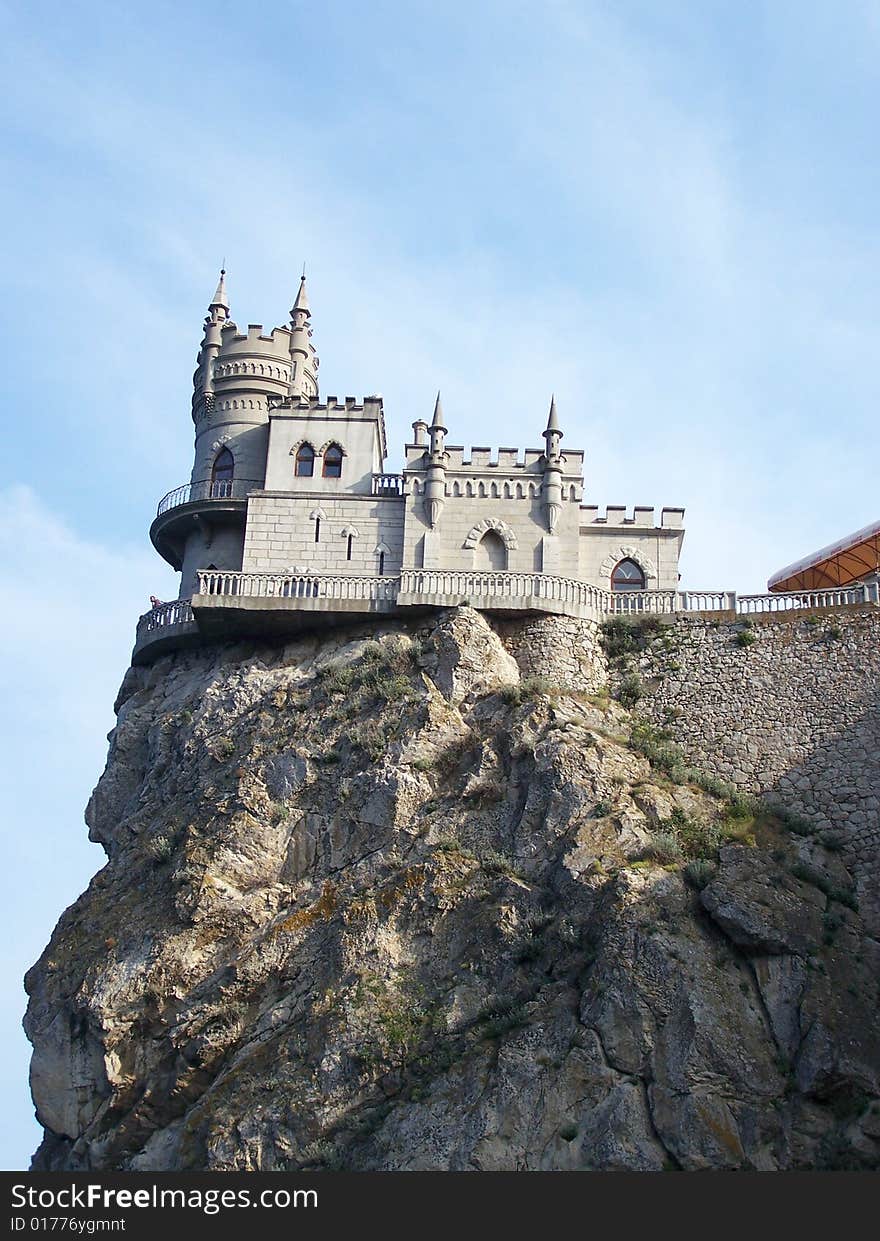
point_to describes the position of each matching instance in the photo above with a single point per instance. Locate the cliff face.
(379, 903)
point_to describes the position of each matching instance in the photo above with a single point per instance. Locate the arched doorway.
(490, 553)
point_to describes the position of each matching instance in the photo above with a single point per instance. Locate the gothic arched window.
(222, 472)
(627, 575)
(333, 462)
(305, 461)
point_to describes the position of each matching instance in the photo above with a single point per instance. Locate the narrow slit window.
(317, 529)
(350, 542)
(381, 563)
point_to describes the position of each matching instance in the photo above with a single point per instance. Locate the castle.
(290, 509)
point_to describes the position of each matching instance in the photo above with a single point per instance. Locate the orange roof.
(839, 564)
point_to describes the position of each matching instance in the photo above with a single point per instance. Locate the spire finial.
(553, 420)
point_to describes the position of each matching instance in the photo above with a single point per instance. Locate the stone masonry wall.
(562, 649)
(793, 715)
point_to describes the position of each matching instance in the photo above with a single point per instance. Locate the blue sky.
(665, 213)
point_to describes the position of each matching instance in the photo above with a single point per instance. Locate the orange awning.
(839, 564)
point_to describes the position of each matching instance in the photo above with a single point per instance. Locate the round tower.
(237, 377)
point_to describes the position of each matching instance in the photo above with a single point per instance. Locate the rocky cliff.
(375, 900)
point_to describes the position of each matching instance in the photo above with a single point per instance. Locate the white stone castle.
(291, 511)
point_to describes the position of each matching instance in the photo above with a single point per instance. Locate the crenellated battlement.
(507, 461)
(642, 516)
(234, 343)
(331, 405)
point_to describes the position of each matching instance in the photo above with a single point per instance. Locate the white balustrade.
(297, 586)
(387, 484)
(492, 588)
(177, 612)
(783, 602)
(706, 601)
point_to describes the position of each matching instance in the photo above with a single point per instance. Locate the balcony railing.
(177, 612)
(428, 585)
(192, 493)
(169, 625)
(387, 485)
(454, 583)
(863, 592)
(298, 586)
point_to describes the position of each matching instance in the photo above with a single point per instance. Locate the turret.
(435, 482)
(552, 488)
(303, 358)
(215, 321)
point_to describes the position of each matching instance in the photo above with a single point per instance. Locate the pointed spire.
(219, 298)
(437, 423)
(553, 420)
(302, 300)
(303, 358)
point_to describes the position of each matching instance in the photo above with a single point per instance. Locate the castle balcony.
(502, 592)
(166, 627)
(230, 606)
(388, 485)
(186, 506)
(198, 493)
(266, 604)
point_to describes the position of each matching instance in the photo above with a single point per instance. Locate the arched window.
(305, 461)
(221, 474)
(627, 575)
(333, 462)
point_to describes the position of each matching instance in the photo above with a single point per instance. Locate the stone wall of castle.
(558, 649)
(280, 536)
(790, 712)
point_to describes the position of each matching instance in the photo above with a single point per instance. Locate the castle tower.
(238, 375)
(551, 490)
(435, 483)
(303, 358)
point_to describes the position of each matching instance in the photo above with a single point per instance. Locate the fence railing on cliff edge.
(494, 588)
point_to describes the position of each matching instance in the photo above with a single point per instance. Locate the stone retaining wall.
(563, 649)
(791, 711)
